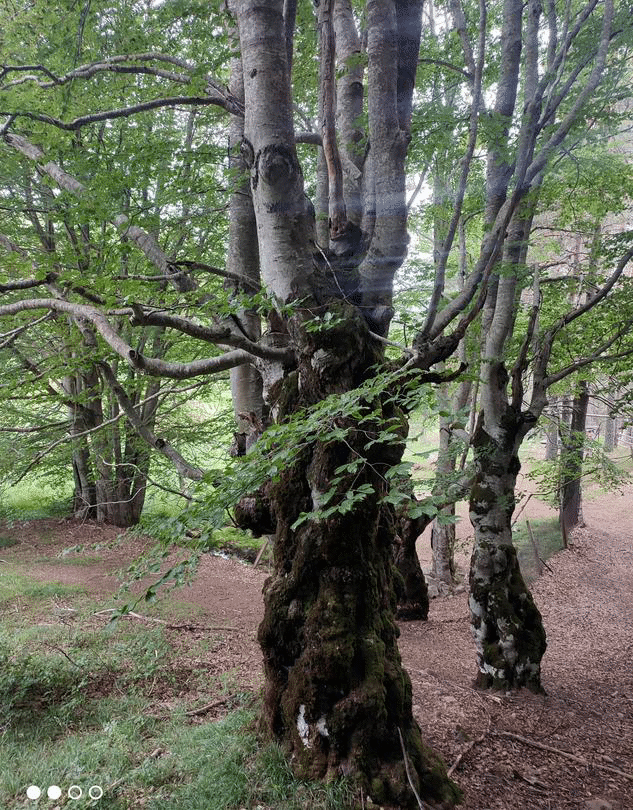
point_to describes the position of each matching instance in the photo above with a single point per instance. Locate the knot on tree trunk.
(277, 166)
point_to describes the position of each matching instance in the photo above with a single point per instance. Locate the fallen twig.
(574, 757)
(468, 748)
(206, 708)
(59, 650)
(168, 625)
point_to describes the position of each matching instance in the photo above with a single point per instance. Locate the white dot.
(95, 792)
(54, 792)
(75, 792)
(33, 792)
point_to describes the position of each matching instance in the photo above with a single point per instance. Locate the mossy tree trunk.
(506, 624)
(337, 696)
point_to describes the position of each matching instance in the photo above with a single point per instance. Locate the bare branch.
(123, 112)
(447, 243)
(153, 366)
(9, 337)
(449, 65)
(570, 118)
(163, 447)
(222, 96)
(36, 428)
(24, 284)
(245, 282)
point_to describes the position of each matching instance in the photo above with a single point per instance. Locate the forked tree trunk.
(506, 624)
(336, 697)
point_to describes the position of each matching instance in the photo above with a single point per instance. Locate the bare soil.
(571, 748)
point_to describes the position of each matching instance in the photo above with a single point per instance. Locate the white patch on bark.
(322, 728)
(302, 727)
(320, 360)
(317, 498)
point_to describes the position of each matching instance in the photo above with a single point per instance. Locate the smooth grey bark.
(551, 430)
(243, 261)
(609, 434)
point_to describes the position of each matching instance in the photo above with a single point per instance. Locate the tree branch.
(123, 112)
(153, 366)
(243, 281)
(160, 445)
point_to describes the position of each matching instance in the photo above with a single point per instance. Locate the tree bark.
(551, 430)
(336, 693)
(609, 434)
(336, 696)
(571, 462)
(506, 624)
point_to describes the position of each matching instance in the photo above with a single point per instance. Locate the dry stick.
(535, 549)
(468, 748)
(573, 757)
(260, 553)
(169, 626)
(421, 804)
(206, 708)
(522, 508)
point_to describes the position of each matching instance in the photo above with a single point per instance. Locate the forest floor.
(570, 748)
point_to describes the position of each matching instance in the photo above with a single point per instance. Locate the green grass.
(16, 585)
(33, 499)
(168, 764)
(91, 717)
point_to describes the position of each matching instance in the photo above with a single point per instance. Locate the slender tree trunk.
(506, 624)
(443, 534)
(412, 593)
(571, 462)
(84, 488)
(551, 430)
(609, 434)
(243, 260)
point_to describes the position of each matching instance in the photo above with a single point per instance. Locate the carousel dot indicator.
(95, 792)
(54, 792)
(33, 792)
(75, 792)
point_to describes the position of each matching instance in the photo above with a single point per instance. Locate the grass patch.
(97, 707)
(17, 586)
(33, 499)
(548, 540)
(67, 559)
(8, 542)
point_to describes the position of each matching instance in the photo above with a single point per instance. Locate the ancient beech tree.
(337, 697)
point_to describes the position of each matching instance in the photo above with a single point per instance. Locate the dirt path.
(587, 604)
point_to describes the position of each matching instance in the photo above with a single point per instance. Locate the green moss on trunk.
(336, 692)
